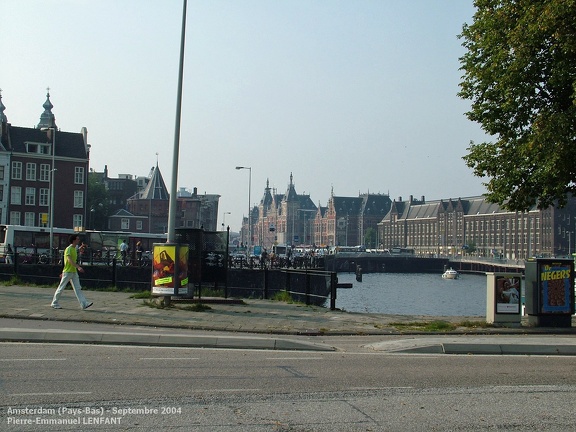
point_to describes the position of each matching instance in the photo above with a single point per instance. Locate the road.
(154, 388)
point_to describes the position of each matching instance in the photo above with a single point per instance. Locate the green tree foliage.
(370, 238)
(520, 74)
(96, 203)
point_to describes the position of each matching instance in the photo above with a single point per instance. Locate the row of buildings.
(45, 176)
(446, 227)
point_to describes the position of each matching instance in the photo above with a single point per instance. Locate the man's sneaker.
(56, 306)
(88, 305)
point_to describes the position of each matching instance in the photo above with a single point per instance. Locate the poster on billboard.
(508, 294)
(170, 269)
(556, 287)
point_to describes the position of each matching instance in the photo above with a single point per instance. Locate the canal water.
(413, 294)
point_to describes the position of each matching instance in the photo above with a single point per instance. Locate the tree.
(370, 238)
(520, 74)
(96, 203)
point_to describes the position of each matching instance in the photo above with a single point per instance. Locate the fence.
(315, 287)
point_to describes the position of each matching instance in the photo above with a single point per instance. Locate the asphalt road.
(162, 388)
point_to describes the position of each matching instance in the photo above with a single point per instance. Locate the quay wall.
(380, 263)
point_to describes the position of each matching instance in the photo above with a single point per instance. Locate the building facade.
(464, 226)
(43, 173)
(295, 220)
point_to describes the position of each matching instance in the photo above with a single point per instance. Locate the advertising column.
(170, 269)
(550, 292)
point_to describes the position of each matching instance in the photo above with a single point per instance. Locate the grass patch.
(142, 295)
(283, 296)
(437, 326)
(197, 307)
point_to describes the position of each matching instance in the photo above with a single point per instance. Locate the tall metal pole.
(173, 189)
(52, 187)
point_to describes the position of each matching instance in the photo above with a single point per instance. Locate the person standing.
(139, 251)
(123, 251)
(70, 274)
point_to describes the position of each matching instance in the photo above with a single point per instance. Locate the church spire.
(47, 119)
(3, 118)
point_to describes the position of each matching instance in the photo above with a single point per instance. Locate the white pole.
(173, 192)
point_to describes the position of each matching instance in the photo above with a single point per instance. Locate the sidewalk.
(243, 320)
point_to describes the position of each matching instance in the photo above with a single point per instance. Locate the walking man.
(70, 274)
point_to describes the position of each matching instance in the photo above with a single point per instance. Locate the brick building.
(29, 159)
(473, 225)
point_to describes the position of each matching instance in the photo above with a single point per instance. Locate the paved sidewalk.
(260, 317)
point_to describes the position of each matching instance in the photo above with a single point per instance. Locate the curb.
(143, 339)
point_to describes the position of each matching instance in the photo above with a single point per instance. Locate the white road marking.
(50, 394)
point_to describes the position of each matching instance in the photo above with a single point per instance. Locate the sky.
(349, 96)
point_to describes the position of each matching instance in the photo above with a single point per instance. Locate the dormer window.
(37, 148)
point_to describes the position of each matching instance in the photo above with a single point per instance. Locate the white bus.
(35, 241)
(29, 240)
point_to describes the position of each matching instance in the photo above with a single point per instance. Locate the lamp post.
(52, 187)
(224, 220)
(249, 200)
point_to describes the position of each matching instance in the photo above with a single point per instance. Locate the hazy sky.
(356, 95)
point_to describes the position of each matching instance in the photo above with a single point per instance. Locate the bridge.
(387, 263)
(484, 265)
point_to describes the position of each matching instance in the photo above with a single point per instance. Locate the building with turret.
(43, 173)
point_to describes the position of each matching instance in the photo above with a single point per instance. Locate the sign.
(170, 269)
(508, 294)
(555, 288)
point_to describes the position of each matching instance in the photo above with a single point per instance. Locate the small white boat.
(450, 274)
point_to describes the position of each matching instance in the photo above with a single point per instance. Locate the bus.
(27, 240)
(35, 241)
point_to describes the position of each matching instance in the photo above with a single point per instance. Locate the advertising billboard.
(170, 269)
(507, 294)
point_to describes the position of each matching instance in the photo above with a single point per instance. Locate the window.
(43, 197)
(42, 219)
(78, 199)
(29, 218)
(78, 220)
(14, 218)
(30, 171)
(125, 223)
(1, 192)
(1, 172)
(16, 195)
(79, 175)
(30, 196)
(31, 148)
(44, 173)
(16, 170)
(139, 225)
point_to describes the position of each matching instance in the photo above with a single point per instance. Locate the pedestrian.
(70, 274)
(139, 251)
(9, 254)
(123, 251)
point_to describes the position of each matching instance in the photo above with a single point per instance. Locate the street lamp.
(224, 220)
(52, 170)
(249, 200)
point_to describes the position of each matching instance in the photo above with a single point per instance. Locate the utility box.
(503, 293)
(550, 292)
